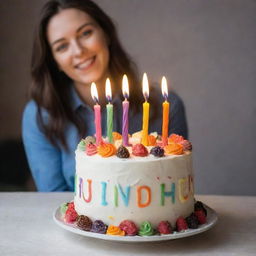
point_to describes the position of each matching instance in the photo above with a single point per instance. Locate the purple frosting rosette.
(99, 226)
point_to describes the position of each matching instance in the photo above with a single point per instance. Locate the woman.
(76, 44)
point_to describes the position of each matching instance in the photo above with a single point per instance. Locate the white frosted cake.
(137, 188)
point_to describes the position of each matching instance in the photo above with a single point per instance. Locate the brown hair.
(50, 87)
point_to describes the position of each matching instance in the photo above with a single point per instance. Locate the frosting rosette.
(187, 145)
(81, 146)
(89, 139)
(63, 208)
(91, 149)
(106, 149)
(99, 226)
(157, 151)
(116, 136)
(164, 227)
(139, 150)
(128, 227)
(122, 152)
(175, 138)
(173, 149)
(151, 140)
(137, 134)
(115, 231)
(84, 222)
(146, 229)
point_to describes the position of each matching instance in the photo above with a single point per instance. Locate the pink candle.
(125, 123)
(97, 114)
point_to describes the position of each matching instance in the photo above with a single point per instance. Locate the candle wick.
(109, 99)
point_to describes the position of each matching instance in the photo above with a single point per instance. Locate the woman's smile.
(86, 64)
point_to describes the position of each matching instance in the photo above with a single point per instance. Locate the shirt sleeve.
(44, 159)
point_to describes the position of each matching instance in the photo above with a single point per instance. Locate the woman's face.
(79, 46)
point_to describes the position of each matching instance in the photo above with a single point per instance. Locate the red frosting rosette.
(164, 227)
(128, 227)
(139, 150)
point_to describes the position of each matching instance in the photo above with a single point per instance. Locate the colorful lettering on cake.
(139, 196)
(125, 195)
(103, 193)
(191, 184)
(115, 196)
(170, 193)
(83, 189)
(80, 187)
(89, 198)
(183, 189)
(75, 184)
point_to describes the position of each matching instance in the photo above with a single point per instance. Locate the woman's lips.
(85, 65)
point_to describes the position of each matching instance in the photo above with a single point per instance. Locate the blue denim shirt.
(53, 168)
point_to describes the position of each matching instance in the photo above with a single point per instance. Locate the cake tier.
(138, 189)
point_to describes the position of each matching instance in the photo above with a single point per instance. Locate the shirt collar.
(76, 101)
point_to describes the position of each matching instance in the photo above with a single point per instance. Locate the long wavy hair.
(50, 87)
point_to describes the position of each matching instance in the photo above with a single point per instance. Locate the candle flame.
(125, 87)
(94, 93)
(145, 87)
(108, 90)
(164, 88)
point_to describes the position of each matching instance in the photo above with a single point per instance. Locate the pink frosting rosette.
(91, 149)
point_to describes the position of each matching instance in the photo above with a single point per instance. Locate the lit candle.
(97, 114)
(109, 111)
(145, 110)
(125, 89)
(165, 112)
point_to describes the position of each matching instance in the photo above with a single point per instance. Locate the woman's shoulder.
(31, 109)
(30, 115)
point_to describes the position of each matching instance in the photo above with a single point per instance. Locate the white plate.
(211, 221)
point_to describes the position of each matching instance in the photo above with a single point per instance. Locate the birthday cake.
(139, 184)
(134, 190)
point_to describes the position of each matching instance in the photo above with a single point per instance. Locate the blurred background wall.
(207, 51)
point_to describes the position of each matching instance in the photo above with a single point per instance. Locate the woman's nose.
(77, 48)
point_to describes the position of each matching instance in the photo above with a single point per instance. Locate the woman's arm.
(44, 158)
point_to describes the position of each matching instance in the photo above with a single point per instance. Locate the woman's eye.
(86, 32)
(61, 47)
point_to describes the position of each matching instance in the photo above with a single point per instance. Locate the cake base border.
(212, 219)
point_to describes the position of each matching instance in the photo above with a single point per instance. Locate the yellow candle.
(146, 106)
(145, 123)
(166, 107)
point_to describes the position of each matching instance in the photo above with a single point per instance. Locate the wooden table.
(27, 228)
